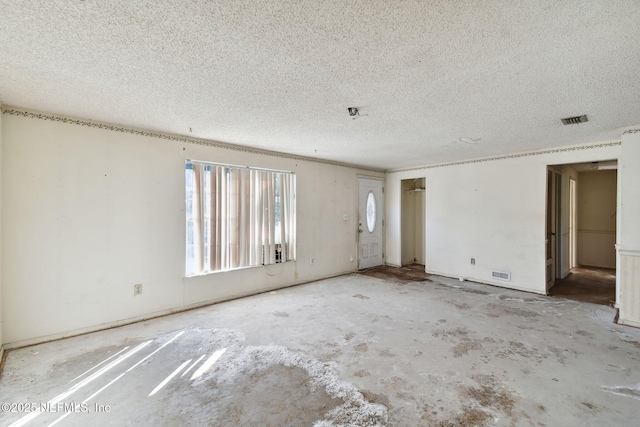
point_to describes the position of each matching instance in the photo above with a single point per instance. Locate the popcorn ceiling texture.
(279, 75)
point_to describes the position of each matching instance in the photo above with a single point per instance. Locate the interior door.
(573, 216)
(370, 222)
(551, 227)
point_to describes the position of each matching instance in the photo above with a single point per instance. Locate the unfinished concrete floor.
(352, 350)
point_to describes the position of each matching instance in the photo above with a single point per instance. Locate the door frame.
(552, 222)
(573, 223)
(404, 215)
(382, 217)
(567, 213)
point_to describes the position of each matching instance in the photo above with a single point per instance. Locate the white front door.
(370, 221)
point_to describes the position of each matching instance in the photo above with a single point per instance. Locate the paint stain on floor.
(401, 275)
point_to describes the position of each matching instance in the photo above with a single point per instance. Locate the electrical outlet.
(311, 260)
(351, 258)
(473, 261)
(137, 289)
(345, 217)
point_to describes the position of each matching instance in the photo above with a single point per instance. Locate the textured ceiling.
(279, 75)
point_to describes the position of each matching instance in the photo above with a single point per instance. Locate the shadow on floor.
(588, 284)
(402, 275)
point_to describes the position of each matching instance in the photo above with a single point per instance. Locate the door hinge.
(382, 190)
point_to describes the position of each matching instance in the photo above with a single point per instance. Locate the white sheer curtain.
(288, 216)
(216, 238)
(194, 221)
(235, 217)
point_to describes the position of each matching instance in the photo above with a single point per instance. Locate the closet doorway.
(413, 221)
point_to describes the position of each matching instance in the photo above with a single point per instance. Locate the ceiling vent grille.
(502, 275)
(575, 120)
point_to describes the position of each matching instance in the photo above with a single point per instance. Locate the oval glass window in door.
(371, 211)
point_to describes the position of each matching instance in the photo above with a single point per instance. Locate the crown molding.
(512, 156)
(14, 111)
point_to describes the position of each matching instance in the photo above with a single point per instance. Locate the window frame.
(272, 186)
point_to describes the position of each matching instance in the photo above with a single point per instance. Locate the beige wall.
(597, 198)
(90, 212)
(493, 211)
(412, 221)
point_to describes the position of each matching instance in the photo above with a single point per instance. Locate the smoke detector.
(575, 120)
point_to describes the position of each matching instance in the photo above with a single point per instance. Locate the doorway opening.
(581, 231)
(553, 223)
(413, 228)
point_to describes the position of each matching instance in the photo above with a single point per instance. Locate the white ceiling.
(279, 75)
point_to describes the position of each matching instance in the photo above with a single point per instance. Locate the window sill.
(209, 273)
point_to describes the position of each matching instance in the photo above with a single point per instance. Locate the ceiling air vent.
(574, 120)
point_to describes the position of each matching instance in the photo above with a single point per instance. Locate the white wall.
(91, 212)
(629, 175)
(629, 229)
(493, 211)
(1, 318)
(597, 218)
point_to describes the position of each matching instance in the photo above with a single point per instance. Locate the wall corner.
(629, 245)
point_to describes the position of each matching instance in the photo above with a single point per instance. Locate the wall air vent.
(575, 120)
(502, 275)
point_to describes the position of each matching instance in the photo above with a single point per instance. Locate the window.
(371, 211)
(237, 217)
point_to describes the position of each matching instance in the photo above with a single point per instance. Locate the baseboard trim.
(3, 357)
(131, 320)
(487, 282)
(628, 322)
